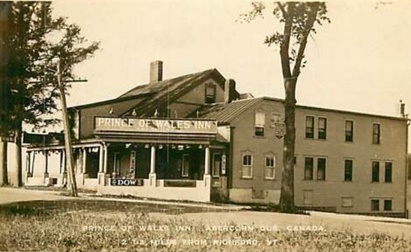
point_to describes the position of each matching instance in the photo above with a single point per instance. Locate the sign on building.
(154, 125)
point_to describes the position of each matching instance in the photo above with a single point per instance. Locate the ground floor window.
(375, 205)
(247, 166)
(321, 167)
(308, 168)
(270, 167)
(387, 205)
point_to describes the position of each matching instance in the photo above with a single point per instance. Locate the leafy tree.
(5, 13)
(298, 19)
(35, 41)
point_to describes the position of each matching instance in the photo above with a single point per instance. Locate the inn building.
(195, 137)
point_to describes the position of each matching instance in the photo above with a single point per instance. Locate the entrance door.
(117, 163)
(185, 169)
(216, 166)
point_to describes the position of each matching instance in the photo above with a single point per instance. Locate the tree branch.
(312, 15)
(285, 43)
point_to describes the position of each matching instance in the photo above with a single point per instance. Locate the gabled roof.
(167, 91)
(150, 96)
(226, 113)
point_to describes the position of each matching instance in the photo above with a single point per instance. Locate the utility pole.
(72, 185)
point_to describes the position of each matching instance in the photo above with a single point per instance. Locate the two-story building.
(344, 161)
(196, 138)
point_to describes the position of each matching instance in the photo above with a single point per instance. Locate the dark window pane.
(387, 205)
(375, 171)
(308, 168)
(348, 167)
(259, 131)
(322, 128)
(376, 132)
(321, 168)
(349, 131)
(210, 94)
(388, 172)
(309, 127)
(375, 205)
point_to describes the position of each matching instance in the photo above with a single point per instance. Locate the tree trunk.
(3, 163)
(18, 157)
(287, 204)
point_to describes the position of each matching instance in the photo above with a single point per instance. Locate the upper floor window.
(321, 167)
(322, 128)
(309, 126)
(247, 166)
(388, 172)
(259, 123)
(376, 133)
(375, 177)
(210, 93)
(308, 168)
(270, 167)
(348, 170)
(349, 131)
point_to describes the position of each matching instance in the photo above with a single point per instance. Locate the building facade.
(196, 138)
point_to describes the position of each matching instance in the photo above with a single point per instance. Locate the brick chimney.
(229, 91)
(156, 71)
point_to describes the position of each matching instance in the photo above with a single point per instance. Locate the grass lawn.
(95, 225)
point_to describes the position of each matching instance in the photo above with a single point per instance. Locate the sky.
(358, 62)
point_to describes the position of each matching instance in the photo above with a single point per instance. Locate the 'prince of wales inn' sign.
(154, 125)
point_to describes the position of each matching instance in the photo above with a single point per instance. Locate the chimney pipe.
(156, 71)
(402, 108)
(229, 91)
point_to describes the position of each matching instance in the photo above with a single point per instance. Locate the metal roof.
(225, 113)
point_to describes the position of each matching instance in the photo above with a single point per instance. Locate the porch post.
(84, 161)
(102, 165)
(63, 174)
(207, 176)
(28, 165)
(152, 175)
(46, 168)
(207, 161)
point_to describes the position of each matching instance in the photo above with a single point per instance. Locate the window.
(259, 123)
(186, 166)
(387, 205)
(347, 202)
(375, 171)
(376, 133)
(210, 93)
(321, 167)
(216, 165)
(322, 128)
(348, 165)
(309, 127)
(247, 166)
(308, 168)
(270, 167)
(349, 131)
(388, 172)
(375, 205)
